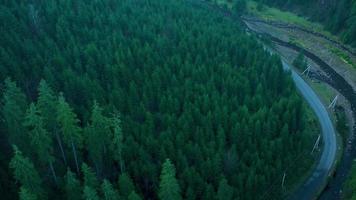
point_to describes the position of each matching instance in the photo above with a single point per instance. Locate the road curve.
(319, 177)
(314, 184)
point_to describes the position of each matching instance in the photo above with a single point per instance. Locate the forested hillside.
(136, 99)
(339, 16)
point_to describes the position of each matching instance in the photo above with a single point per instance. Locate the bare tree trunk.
(61, 148)
(75, 157)
(53, 173)
(97, 169)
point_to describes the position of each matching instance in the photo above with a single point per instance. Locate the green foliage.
(126, 186)
(134, 196)
(337, 16)
(225, 191)
(349, 188)
(108, 190)
(99, 128)
(90, 193)
(240, 6)
(90, 178)
(259, 6)
(70, 130)
(188, 83)
(72, 186)
(26, 174)
(300, 62)
(13, 112)
(168, 186)
(117, 142)
(341, 124)
(46, 104)
(26, 194)
(69, 123)
(40, 138)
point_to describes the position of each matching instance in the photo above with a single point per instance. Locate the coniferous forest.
(138, 99)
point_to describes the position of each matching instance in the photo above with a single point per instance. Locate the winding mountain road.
(319, 177)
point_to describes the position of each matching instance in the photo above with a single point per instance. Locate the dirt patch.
(330, 53)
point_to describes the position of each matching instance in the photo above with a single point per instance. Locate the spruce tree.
(108, 191)
(117, 142)
(72, 186)
(25, 173)
(97, 137)
(134, 196)
(25, 194)
(225, 191)
(168, 187)
(90, 193)
(126, 185)
(90, 178)
(46, 103)
(13, 110)
(69, 127)
(40, 139)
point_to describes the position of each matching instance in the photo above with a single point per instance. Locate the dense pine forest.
(138, 99)
(338, 16)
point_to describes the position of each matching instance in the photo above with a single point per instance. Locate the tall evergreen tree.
(134, 196)
(126, 185)
(69, 127)
(40, 139)
(168, 187)
(26, 174)
(13, 110)
(225, 191)
(117, 142)
(46, 103)
(108, 191)
(72, 186)
(90, 178)
(98, 137)
(90, 193)
(25, 194)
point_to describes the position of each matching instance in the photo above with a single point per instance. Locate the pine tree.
(134, 196)
(90, 178)
(97, 137)
(117, 142)
(40, 138)
(25, 173)
(225, 191)
(90, 193)
(25, 194)
(13, 112)
(126, 185)
(168, 187)
(69, 126)
(46, 104)
(108, 190)
(72, 186)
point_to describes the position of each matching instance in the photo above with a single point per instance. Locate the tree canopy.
(99, 94)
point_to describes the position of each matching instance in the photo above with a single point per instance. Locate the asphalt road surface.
(319, 177)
